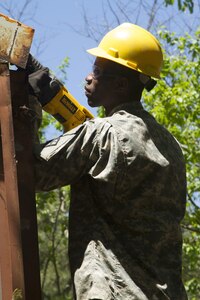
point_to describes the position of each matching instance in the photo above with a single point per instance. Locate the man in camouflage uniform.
(127, 177)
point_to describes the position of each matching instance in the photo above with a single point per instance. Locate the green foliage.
(101, 112)
(52, 210)
(182, 5)
(63, 69)
(191, 257)
(175, 101)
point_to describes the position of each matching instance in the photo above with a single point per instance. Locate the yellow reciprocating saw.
(67, 110)
(55, 98)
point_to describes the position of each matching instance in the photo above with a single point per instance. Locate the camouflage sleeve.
(66, 158)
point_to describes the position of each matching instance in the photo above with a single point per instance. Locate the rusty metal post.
(12, 276)
(25, 172)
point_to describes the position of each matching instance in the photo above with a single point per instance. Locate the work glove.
(41, 83)
(37, 77)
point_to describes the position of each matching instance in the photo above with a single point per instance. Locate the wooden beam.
(19, 255)
(23, 119)
(12, 275)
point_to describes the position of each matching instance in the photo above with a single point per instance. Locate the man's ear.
(121, 84)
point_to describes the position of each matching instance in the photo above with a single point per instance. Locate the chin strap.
(147, 81)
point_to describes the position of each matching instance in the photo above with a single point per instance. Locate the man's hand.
(41, 83)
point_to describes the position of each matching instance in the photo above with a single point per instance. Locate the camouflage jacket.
(128, 191)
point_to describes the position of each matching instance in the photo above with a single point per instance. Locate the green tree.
(182, 5)
(52, 210)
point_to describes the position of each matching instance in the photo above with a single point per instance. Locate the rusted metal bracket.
(15, 42)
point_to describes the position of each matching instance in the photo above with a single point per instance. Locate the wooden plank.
(13, 261)
(23, 121)
(5, 251)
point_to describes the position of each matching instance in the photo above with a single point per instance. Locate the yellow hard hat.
(131, 46)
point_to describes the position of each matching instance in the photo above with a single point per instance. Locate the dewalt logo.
(69, 104)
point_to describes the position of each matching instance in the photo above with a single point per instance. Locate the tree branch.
(152, 15)
(113, 12)
(188, 227)
(193, 203)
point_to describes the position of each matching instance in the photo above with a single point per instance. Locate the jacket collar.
(128, 106)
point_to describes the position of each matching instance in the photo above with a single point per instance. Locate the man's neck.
(120, 102)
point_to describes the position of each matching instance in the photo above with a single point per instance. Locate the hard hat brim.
(99, 52)
(103, 54)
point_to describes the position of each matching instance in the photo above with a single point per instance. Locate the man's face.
(98, 87)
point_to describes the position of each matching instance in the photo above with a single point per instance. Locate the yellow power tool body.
(54, 97)
(67, 110)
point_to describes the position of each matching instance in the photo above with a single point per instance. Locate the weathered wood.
(23, 121)
(11, 260)
(19, 255)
